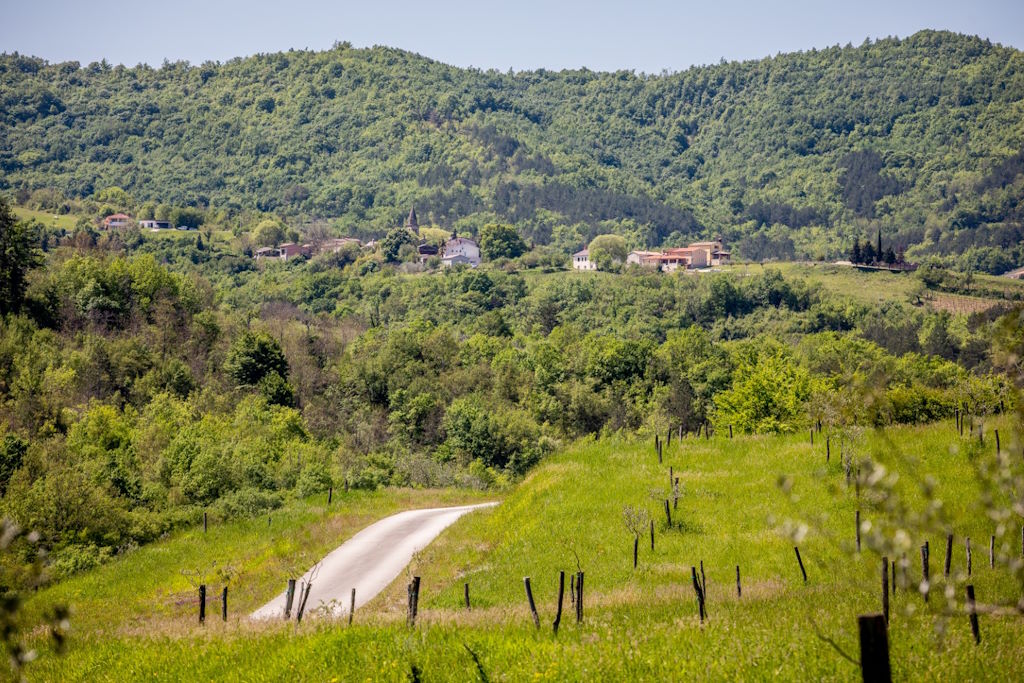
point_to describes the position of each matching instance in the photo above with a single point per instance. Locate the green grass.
(67, 221)
(738, 499)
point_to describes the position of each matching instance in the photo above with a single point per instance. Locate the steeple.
(411, 222)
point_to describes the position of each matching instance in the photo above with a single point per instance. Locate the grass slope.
(738, 499)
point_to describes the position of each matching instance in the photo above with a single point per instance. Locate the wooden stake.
(529, 598)
(204, 522)
(828, 448)
(874, 649)
(465, 590)
(972, 613)
(739, 590)
(968, 544)
(949, 554)
(671, 476)
(885, 588)
(202, 603)
(668, 514)
(997, 442)
(302, 602)
(801, 562)
(652, 535)
(636, 549)
(700, 595)
(414, 599)
(289, 597)
(330, 494)
(812, 437)
(730, 431)
(924, 570)
(992, 552)
(675, 495)
(858, 531)
(352, 607)
(579, 597)
(561, 596)
(224, 604)
(703, 581)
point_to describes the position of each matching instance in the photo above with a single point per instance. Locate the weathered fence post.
(352, 607)
(801, 563)
(671, 476)
(812, 437)
(730, 431)
(874, 649)
(529, 599)
(739, 590)
(561, 596)
(465, 590)
(992, 552)
(303, 597)
(636, 548)
(885, 588)
(858, 531)
(202, 603)
(668, 514)
(414, 599)
(675, 494)
(289, 597)
(668, 438)
(652, 535)
(703, 583)
(699, 592)
(924, 570)
(579, 597)
(968, 546)
(828, 448)
(204, 522)
(997, 442)
(330, 494)
(972, 613)
(224, 604)
(949, 554)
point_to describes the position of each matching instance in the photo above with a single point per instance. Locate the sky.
(642, 35)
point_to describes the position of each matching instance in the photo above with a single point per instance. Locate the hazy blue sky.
(646, 35)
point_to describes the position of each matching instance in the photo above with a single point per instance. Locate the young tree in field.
(18, 255)
(636, 520)
(500, 241)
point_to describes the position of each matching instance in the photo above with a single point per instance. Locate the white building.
(460, 250)
(581, 261)
(155, 225)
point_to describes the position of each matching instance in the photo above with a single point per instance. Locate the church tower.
(411, 222)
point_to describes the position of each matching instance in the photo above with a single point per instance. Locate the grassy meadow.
(744, 501)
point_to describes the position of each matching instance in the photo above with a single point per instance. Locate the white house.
(644, 258)
(461, 250)
(581, 261)
(155, 225)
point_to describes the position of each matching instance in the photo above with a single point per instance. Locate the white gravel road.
(369, 561)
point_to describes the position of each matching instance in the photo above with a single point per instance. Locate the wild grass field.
(745, 501)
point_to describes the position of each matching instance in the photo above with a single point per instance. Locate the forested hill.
(796, 154)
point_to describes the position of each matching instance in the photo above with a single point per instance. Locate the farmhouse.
(283, 252)
(425, 251)
(648, 259)
(460, 250)
(117, 220)
(581, 260)
(336, 244)
(155, 225)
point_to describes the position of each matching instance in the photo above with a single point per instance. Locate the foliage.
(253, 357)
(18, 255)
(500, 241)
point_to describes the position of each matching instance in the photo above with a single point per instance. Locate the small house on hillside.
(155, 225)
(581, 260)
(460, 250)
(425, 251)
(283, 252)
(117, 220)
(647, 259)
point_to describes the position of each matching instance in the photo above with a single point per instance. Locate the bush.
(247, 502)
(314, 478)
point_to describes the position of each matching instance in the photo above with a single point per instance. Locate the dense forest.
(791, 156)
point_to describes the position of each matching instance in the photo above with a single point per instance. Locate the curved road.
(369, 561)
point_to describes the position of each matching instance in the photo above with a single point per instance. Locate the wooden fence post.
(703, 584)
(652, 535)
(668, 514)
(874, 649)
(330, 494)
(465, 590)
(924, 570)
(675, 495)
(730, 431)
(579, 597)
(224, 604)
(828, 448)
(972, 613)
(949, 554)
(671, 476)
(202, 603)
(304, 596)
(992, 552)
(801, 562)
(885, 588)
(529, 599)
(997, 442)
(289, 597)
(812, 437)
(204, 522)
(668, 438)
(858, 531)
(968, 550)
(636, 549)
(561, 596)
(699, 592)
(414, 599)
(739, 590)
(352, 607)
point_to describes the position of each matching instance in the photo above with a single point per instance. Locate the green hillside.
(745, 501)
(791, 155)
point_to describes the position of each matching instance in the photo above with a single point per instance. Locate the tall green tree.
(254, 356)
(18, 255)
(500, 241)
